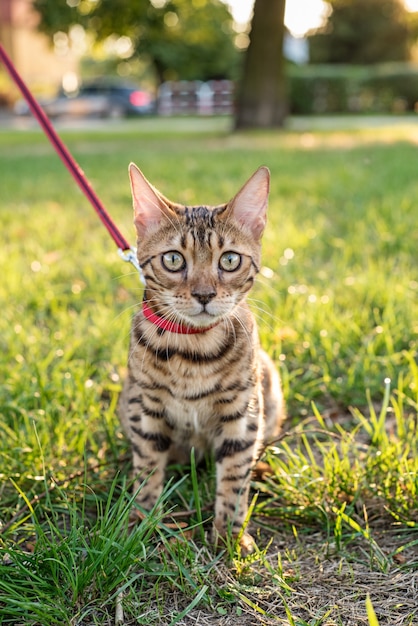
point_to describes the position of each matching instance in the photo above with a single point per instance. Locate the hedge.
(385, 88)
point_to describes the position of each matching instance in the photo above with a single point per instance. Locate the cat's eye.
(173, 261)
(230, 261)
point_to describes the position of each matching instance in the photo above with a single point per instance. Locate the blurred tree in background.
(190, 40)
(362, 32)
(182, 39)
(262, 101)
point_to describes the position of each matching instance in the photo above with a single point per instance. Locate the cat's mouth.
(200, 314)
(182, 324)
(203, 318)
(206, 313)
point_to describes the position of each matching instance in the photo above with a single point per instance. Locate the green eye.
(173, 261)
(230, 261)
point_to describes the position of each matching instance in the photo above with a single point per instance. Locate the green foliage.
(337, 307)
(359, 31)
(386, 87)
(182, 39)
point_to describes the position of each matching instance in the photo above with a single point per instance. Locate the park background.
(336, 514)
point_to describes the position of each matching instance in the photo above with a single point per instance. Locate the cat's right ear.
(149, 205)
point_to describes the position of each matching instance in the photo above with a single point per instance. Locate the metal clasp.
(131, 257)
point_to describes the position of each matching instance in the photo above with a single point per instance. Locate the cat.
(197, 376)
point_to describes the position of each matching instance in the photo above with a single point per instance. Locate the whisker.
(270, 284)
(258, 307)
(241, 323)
(228, 322)
(120, 276)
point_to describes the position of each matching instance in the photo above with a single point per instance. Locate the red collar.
(171, 327)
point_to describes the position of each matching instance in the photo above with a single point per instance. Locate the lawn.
(336, 514)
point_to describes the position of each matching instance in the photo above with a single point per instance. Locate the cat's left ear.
(249, 206)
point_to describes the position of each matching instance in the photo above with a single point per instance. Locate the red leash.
(125, 250)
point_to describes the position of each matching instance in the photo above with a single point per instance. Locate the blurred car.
(97, 99)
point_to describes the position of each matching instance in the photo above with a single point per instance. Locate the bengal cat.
(197, 377)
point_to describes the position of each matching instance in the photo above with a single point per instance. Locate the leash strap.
(126, 252)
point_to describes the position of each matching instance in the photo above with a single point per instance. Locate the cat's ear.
(249, 206)
(150, 207)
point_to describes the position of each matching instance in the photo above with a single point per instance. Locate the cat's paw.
(246, 544)
(242, 543)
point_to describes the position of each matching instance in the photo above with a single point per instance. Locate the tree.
(261, 101)
(182, 39)
(362, 31)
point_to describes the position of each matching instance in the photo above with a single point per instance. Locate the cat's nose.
(204, 296)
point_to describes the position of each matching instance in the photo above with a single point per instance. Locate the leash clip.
(130, 256)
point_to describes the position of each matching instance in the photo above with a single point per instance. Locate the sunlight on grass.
(337, 307)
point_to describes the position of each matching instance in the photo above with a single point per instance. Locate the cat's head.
(198, 262)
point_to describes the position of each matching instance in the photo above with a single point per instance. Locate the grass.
(336, 516)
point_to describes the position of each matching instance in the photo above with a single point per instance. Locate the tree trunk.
(262, 101)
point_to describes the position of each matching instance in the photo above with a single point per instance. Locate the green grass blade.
(191, 606)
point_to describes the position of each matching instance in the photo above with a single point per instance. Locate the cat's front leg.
(235, 458)
(150, 442)
(149, 471)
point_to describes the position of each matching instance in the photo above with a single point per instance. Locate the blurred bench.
(215, 97)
